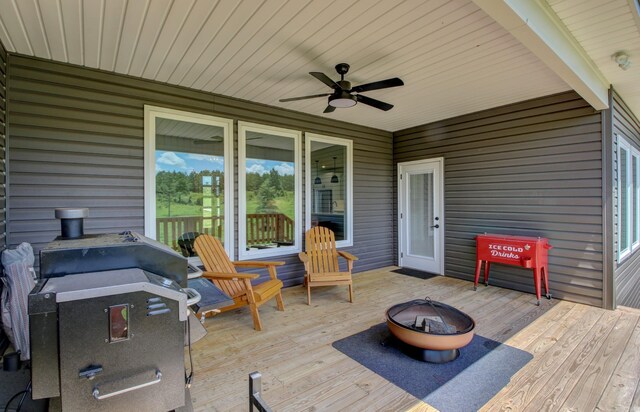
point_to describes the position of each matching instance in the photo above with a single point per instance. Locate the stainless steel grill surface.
(107, 322)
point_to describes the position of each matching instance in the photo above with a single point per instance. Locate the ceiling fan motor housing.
(344, 85)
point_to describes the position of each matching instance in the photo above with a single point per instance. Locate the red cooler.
(526, 252)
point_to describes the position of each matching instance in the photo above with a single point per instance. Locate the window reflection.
(270, 191)
(329, 187)
(189, 182)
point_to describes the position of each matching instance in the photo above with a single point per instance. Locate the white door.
(420, 215)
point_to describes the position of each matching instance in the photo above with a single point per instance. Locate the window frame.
(151, 113)
(623, 145)
(243, 128)
(635, 200)
(633, 197)
(309, 137)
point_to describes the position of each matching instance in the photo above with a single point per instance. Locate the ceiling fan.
(344, 95)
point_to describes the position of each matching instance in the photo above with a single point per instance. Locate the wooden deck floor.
(584, 358)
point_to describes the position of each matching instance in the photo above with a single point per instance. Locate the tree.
(181, 186)
(275, 182)
(254, 180)
(269, 190)
(165, 187)
(266, 198)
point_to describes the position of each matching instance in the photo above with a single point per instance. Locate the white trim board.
(538, 28)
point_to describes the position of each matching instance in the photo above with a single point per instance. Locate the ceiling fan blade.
(329, 109)
(293, 99)
(326, 80)
(382, 84)
(209, 140)
(373, 102)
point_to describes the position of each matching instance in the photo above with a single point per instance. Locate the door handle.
(436, 226)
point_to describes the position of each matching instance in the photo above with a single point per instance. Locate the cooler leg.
(546, 282)
(536, 281)
(477, 278)
(486, 273)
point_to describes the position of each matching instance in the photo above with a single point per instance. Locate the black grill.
(107, 321)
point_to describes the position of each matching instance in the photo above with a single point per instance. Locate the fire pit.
(430, 331)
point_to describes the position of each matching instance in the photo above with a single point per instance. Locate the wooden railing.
(262, 228)
(269, 228)
(168, 229)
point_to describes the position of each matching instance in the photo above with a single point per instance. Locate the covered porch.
(531, 118)
(584, 358)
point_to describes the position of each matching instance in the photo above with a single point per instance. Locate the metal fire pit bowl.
(453, 329)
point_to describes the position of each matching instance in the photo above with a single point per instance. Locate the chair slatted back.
(321, 250)
(215, 260)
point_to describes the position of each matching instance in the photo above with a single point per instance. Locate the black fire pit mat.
(483, 368)
(414, 273)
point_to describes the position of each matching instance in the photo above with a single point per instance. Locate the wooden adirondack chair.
(222, 272)
(321, 261)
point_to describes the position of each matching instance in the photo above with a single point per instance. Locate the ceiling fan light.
(334, 178)
(342, 100)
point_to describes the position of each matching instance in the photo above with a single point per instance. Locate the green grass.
(284, 204)
(183, 208)
(178, 209)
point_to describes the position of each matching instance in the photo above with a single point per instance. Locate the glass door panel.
(420, 215)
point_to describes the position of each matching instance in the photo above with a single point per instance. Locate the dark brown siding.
(3, 140)
(531, 168)
(627, 272)
(77, 140)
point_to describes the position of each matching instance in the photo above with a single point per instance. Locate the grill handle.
(193, 296)
(96, 391)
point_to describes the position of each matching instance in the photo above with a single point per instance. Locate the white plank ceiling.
(602, 28)
(453, 58)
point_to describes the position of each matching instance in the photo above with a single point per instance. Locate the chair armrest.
(229, 276)
(347, 255)
(271, 266)
(256, 263)
(303, 257)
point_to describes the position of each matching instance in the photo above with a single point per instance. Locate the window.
(269, 190)
(628, 198)
(635, 173)
(623, 199)
(329, 185)
(188, 177)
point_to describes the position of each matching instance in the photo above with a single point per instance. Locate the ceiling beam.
(634, 5)
(539, 29)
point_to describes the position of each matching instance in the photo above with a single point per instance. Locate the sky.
(190, 162)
